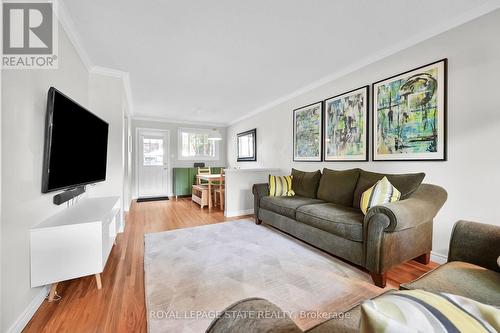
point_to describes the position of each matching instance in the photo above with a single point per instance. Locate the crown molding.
(454, 22)
(69, 27)
(108, 72)
(178, 121)
(75, 39)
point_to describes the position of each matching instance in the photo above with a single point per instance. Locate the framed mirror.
(247, 146)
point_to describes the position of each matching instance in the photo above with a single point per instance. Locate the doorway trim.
(137, 158)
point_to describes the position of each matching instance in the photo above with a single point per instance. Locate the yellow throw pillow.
(381, 193)
(423, 311)
(280, 186)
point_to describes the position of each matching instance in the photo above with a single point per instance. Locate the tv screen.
(76, 144)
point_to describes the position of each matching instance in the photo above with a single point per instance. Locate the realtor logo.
(29, 35)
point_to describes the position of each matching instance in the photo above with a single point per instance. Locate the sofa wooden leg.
(258, 221)
(379, 279)
(424, 258)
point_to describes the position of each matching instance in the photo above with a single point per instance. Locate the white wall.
(24, 99)
(238, 182)
(175, 162)
(471, 174)
(106, 99)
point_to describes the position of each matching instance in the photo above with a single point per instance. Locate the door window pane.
(152, 151)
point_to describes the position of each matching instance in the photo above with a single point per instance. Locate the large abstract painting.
(409, 114)
(307, 132)
(346, 126)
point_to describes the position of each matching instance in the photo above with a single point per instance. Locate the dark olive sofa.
(472, 271)
(325, 213)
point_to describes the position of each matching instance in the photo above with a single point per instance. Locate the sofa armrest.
(475, 243)
(259, 191)
(396, 232)
(419, 208)
(253, 315)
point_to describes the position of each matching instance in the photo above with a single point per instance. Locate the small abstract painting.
(346, 126)
(307, 132)
(409, 113)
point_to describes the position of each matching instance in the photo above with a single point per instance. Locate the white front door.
(153, 165)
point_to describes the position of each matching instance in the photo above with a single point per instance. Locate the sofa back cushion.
(338, 186)
(305, 184)
(405, 183)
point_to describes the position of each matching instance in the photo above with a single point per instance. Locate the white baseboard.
(438, 258)
(135, 197)
(242, 212)
(28, 313)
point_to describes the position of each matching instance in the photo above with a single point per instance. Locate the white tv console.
(75, 242)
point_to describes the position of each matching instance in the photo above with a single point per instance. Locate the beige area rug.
(192, 274)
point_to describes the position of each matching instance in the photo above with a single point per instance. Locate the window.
(195, 145)
(152, 152)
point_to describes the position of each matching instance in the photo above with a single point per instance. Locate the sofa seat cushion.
(345, 222)
(463, 279)
(286, 206)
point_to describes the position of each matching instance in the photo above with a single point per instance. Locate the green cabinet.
(181, 181)
(185, 178)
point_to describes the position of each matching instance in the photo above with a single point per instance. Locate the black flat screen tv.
(76, 145)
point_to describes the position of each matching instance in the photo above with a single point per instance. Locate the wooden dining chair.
(203, 171)
(219, 191)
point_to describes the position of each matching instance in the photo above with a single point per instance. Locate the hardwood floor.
(120, 306)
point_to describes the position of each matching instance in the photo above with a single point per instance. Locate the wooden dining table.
(209, 179)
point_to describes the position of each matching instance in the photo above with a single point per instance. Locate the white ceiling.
(217, 61)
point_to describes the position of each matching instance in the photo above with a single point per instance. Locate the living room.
(279, 166)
